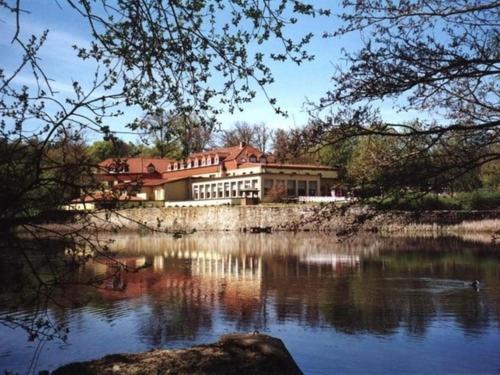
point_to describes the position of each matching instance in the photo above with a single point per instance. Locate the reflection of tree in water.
(174, 316)
(399, 288)
(402, 284)
(472, 311)
(351, 306)
(33, 279)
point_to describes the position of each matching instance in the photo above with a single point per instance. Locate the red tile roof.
(281, 165)
(229, 153)
(187, 172)
(138, 165)
(309, 166)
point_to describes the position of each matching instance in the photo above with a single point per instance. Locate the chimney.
(242, 144)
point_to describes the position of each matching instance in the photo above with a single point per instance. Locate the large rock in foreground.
(232, 354)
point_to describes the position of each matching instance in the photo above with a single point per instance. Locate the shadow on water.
(305, 288)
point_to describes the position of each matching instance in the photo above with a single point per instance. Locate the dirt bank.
(232, 354)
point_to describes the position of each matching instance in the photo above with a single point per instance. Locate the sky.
(293, 85)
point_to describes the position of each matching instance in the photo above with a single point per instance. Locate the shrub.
(476, 200)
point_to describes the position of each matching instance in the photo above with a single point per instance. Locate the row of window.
(204, 161)
(229, 189)
(291, 187)
(194, 163)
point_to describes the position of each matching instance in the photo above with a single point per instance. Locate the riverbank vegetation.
(473, 200)
(179, 65)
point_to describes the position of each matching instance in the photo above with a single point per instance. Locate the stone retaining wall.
(292, 218)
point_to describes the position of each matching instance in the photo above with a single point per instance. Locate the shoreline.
(298, 218)
(233, 354)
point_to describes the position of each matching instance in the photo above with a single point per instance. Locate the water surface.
(370, 305)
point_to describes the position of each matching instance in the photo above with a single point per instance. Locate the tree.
(258, 135)
(437, 57)
(291, 146)
(241, 132)
(149, 54)
(263, 136)
(281, 146)
(111, 148)
(156, 132)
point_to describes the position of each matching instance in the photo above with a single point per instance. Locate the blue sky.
(293, 84)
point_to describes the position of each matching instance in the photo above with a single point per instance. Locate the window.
(233, 189)
(263, 160)
(268, 185)
(290, 188)
(176, 166)
(313, 188)
(203, 161)
(240, 187)
(253, 159)
(301, 188)
(196, 162)
(226, 189)
(254, 184)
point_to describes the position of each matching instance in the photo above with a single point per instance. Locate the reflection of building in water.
(337, 261)
(235, 279)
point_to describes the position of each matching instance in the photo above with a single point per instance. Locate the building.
(223, 175)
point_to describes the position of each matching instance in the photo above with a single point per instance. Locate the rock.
(232, 354)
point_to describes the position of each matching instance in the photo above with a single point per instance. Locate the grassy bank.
(466, 201)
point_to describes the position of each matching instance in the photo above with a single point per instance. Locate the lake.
(369, 304)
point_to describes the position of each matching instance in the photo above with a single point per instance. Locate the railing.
(205, 202)
(325, 199)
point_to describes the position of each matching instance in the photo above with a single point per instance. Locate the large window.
(301, 188)
(290, 188)
(233, 189)
(268, 185)
(313, 188)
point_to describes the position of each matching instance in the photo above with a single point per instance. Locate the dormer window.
(189, 164)
(203, 161)
(252, 159)
(181, 165)
(169, 167)
(216, 159)
(151, 168)
(196, 162)
(263, 160)
(209, 160)
(176, 166)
